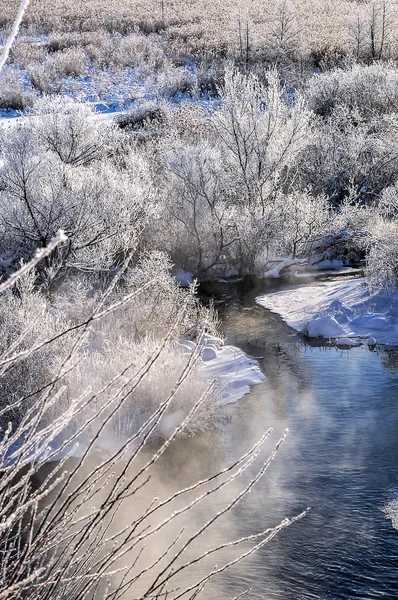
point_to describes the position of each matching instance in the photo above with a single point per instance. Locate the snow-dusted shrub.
(382, 258)
(158, 305)
(12, 90)
(25, 321)
(145, 118)
(259, 134)
(350, 155)
(101, 48)
(134, 50)
(70, 130)
(195, 211)
(190, 123)
(372, 90)
(388, 203)
(72, 61)
(173, 80)
(157, 314)
(47, 76)
(304, 221)
(25, 53)
(103, 206)
(63, 40)
(131, 358)
(44, 77)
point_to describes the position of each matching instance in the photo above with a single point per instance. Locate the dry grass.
(320, 28)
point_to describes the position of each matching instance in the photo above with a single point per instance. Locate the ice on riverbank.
(339, 310)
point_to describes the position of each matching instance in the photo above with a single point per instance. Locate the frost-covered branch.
(13, 33)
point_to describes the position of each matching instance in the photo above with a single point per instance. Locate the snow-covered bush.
(134, 50)
(382, 258)
(260, 136)
(12, 90)
(372, 90)
(24, 53)
(145, 118)
(157, 304)
(49, 182)
(131, 358)
(46, 76)
(352, 156)
(25, 322)
(70, 130)
(173, 80)
(196, 214)
(304, 221)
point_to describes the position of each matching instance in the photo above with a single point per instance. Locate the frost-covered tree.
(72, 130)
(103, 204)
(260, 134)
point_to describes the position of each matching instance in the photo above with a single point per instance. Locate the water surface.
(340, 458)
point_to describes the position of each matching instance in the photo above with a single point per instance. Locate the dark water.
(340, 458)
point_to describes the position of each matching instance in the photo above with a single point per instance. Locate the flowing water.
(340, 458)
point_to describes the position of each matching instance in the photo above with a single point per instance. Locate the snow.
(209, 353)
(338, 309)
(326, 327)
(233, 370)
(346, 343)
(390, 509)
(281, 264)
(113, 92)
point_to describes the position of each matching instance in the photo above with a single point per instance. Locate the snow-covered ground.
(112, 92)
(340, 310)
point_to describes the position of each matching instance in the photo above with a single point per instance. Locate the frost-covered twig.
(13, 33)
(39, 255)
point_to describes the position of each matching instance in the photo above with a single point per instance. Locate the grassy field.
(233, 27)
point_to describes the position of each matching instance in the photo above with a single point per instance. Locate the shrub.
(12, 91)
(382, 258)
(371, 90)
(146, 117)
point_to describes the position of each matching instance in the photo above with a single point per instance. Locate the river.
(340, 458)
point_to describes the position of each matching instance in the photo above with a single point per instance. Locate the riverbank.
(341, 310)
